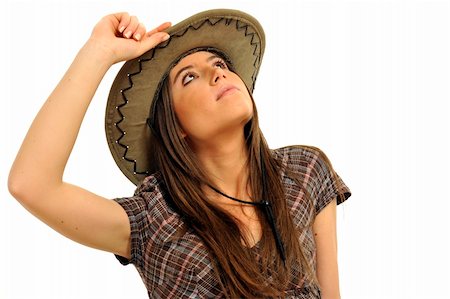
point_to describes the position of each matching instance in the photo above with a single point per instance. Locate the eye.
(221, 64)
(188, 78)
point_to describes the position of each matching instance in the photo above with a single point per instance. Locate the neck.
(225, 160)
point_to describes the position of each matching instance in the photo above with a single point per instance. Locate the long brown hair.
(236, 267)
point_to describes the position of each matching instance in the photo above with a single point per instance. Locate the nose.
(217, 75)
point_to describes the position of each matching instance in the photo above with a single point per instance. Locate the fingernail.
(122, 29)
(165, 38)
(137, 36)
(128, 34)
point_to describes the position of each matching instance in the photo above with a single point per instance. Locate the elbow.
(23, 188)
(17, 187)
(29, 189)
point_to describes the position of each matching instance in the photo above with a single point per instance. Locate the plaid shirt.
(181, 267)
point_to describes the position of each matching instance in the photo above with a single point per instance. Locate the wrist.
(102, 55)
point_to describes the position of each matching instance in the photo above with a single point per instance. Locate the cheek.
(182, 113)
(181, 108)
(248, 101)
(250, 106)
(250, 109)
(192, 114)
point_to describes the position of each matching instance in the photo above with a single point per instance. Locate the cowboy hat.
(236, 34)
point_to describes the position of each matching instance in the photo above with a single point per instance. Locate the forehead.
(196, 56)
(192, 59)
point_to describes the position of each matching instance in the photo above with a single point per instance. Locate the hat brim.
(235, 33)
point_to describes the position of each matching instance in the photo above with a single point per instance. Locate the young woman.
(216, 213)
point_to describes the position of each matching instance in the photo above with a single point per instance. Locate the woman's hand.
(122, 37)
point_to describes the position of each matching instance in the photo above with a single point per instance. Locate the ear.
(183, 134)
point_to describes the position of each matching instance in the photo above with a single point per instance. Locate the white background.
(366, 81)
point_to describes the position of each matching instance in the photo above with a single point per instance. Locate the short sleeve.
(137, 209)
(328, 183)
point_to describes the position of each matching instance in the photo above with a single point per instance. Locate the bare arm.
(36, 177)
(326, 244)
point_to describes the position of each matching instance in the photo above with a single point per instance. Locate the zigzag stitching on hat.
(218, 21)
(196, 28)
(125, 101)
(153, 52)
(146, 59)
(117, 124)
(255, 44)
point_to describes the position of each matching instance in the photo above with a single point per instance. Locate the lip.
(225, 90)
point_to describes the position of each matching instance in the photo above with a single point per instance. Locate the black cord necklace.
(267, 209)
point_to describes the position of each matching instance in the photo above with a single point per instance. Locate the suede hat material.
(238, 35)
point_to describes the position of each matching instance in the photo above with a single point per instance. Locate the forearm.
(329, 281)
(327, 265)
(46, 148)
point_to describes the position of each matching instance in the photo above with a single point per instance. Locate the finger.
(160, 28)
(124, 20)
(164, 26)
(152, 41)
(140, 31)
(131, 28)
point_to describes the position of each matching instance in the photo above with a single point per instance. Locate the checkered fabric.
(181, 267)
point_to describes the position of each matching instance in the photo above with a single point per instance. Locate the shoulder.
(150, 207)
(315, 171)
(309, 167)
(301, 157)
(153, 190)
(297, 151)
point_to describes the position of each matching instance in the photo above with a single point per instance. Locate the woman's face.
(209, 99)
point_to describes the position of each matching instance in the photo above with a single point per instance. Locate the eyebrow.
(191, 66)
